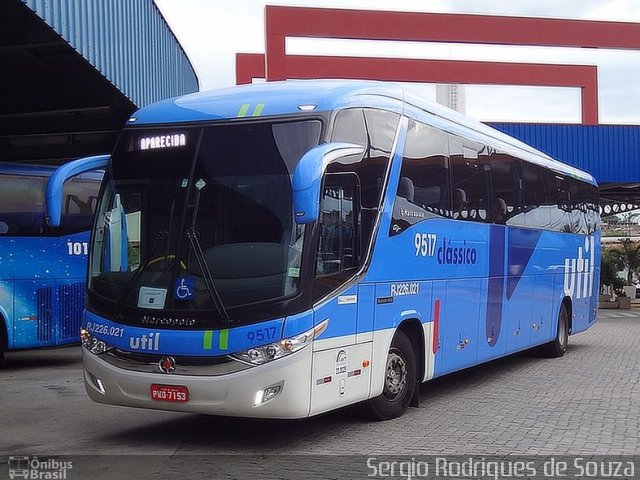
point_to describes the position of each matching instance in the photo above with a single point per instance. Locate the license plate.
(169, 393)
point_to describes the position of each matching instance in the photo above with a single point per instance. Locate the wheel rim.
(396, 375)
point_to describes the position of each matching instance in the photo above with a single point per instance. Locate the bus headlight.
(287, 346)
(92, 344)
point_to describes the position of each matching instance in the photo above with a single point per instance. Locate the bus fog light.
(97, 383)
(93, 344)
(267, 394)
(282, 348)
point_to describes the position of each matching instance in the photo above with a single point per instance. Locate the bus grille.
(71, 307)
(44, 303)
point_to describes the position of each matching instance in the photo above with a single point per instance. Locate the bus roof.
(274, 98)
(297, 96)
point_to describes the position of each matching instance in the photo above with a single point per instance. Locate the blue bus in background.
(43, 260)
(281, 250)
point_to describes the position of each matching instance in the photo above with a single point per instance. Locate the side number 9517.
(425, 244)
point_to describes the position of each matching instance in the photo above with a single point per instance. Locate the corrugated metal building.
(72, 71)
(611, 153)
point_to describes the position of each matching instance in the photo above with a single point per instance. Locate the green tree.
(610, 265)
(627, 255)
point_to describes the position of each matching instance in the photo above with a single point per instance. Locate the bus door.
(337, 257)
(338, 358)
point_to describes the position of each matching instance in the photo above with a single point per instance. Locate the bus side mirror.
(307, 177)
(55, 185)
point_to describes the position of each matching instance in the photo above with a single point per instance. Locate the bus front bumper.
(232, 394)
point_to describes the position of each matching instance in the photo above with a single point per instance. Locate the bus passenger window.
(506, 190)
(376, 130)
(559, 191)
(21, 205)
(470, 181)
(423, 189)
(535, 197)
(578, 196)
(593, 200)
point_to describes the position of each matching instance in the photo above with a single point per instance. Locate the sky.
(213, 31)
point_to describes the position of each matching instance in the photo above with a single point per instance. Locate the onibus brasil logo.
(32, 468)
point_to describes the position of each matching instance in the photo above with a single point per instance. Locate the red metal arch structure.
(250, 66)
(283, 22)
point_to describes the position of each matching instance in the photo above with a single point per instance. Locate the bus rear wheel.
(558, 346)
(399, 381)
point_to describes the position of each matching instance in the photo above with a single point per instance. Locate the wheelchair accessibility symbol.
(184, 288)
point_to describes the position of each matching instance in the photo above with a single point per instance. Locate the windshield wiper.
(192, 235)
(194, 239)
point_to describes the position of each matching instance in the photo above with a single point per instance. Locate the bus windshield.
(200, 219)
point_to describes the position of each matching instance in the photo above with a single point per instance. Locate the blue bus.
(45, 218)
(281, 250)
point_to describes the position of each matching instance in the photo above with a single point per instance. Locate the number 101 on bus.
(78, 248)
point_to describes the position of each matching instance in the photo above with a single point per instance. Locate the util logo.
(579, 271)
(150, 343)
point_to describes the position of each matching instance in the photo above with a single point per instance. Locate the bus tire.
(558, 346)
(399, 382)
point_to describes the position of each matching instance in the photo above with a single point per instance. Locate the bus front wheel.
(399, 381)
(558, 346)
